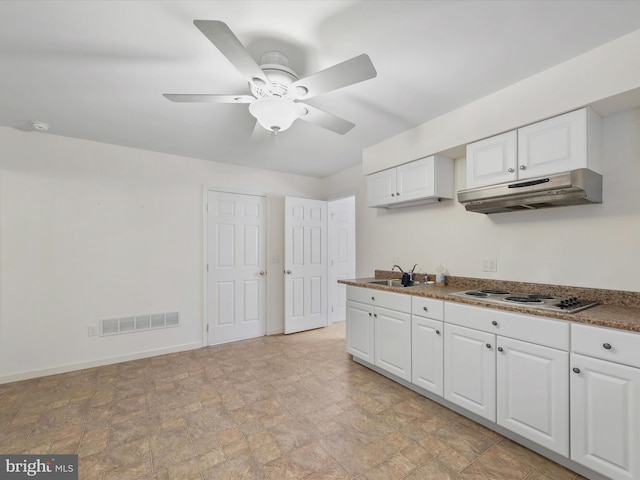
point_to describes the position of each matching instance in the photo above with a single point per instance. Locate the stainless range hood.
(576, 187)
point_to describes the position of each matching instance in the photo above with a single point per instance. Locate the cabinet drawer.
(360, 294)
(379, 298)
(427, 307)
(624, 347)
(533, 329)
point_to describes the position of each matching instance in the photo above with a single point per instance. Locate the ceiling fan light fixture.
(274, 113)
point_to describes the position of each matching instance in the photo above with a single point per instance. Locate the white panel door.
(533, 393)
(416, 180)
(605, 417)
(492, 160)
(555, 145)
(342, 254)
(393, 341)
(236, 267)
(305, 265)
(360, 331)
(427, 354)
(381, 188)
(470, 370)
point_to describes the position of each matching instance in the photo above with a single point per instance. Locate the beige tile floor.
(280, 407)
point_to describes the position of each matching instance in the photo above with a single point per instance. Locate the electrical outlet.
(490, 265)
(92, 330)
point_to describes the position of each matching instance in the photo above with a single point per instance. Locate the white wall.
(606, 72)
(91, 231)
(587, 245)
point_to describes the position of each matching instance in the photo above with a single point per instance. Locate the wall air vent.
(139, 323)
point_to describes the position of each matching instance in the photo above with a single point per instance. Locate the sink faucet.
(398, 267)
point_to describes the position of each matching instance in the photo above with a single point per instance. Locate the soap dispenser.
(440, 276)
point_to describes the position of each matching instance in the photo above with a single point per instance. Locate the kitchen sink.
(389, 283)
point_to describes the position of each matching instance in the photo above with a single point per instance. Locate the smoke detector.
(39, 126)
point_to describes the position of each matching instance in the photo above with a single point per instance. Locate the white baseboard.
(70, 367)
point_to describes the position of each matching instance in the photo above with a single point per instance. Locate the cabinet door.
(605, 417)
(381, 188)
(427, 368)
(555, 145)
(360, 330)
(416, 180)
(533, 393)
(492, 160)
(470, 370)
(393, 342)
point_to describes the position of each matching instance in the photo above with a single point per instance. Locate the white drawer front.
(427, 307)
(606, 343)
(360, 294)
(528, 328)
(393, 301)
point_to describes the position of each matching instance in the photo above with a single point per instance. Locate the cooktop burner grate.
(532, 300)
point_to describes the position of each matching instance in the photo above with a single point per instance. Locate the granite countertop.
(616, 309)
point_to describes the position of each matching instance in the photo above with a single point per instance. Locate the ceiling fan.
(276, 90)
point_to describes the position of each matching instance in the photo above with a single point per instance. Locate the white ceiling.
(97, 69)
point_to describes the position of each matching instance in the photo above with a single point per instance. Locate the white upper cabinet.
(559, 144)
(493, 160)
(422, 181)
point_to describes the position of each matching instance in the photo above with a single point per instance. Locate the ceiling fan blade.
(223, 38)
(203, 98)
(326, 120)
(356, 70)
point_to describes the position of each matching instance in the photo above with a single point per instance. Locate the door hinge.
(207, 327)
(207, 267)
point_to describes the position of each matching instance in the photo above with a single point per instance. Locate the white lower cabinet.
(393, 342)
(469, 370)
(605, 401)
(360, 333)
(379, 329)
(427, 344)
(532, 392)
(520, 385)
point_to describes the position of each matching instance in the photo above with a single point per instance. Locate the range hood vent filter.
(577, 187)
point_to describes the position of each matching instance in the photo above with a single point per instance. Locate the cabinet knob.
(494, 323)
(373, 298)
(393, 194)
(575, 370)
(488, 345)
(425, 309)
(500, 349)
(523, 167)
(510, 170)
(397, 194)
(437, 332)
(375, 315)
(370, 314)
(606, 346)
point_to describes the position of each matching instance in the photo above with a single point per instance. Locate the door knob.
(263, 272)
(523, 167)
(288, 272)
(510, 170)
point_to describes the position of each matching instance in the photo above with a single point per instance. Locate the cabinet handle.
(575, 370)
(494, 323)
(510, 170)
(606, 346)
(523, 167)
(437, 332)
(488, 345)
(500, 349)
(425, 309)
